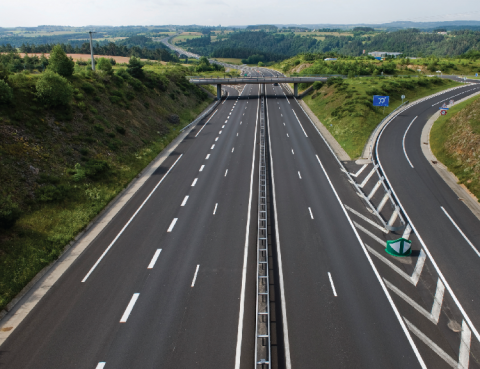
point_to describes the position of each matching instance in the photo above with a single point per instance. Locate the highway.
(171, 281)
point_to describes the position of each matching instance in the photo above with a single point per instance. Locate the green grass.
(460, 162)
(230, 60)
(107, 122)
(347, 111)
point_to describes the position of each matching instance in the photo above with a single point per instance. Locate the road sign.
(476, 74)
(403, 96)
(451, 102)
(380, 100)
(443, 112)
(444, 107)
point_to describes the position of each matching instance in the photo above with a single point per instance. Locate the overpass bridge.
(254, 80)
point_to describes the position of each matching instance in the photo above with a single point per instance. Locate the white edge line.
(403, 142)
(333, 286)
(380, 280)
(129, 221)
(424, 246)
(195, 276)
(154, 259)
(206, 123)
(129, 308)
(461, 232)
(238, 351)
(288, 362)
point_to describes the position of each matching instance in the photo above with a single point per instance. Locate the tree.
(6, 94)
(134, 67)
(54, 89)
(60, 63)
(105, 65)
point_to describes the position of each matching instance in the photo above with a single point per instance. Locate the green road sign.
(400, 247)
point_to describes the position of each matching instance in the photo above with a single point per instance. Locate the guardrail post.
(219, 91)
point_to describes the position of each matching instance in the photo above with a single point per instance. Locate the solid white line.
(299, 175)
(195, 276)
(129, 308)
(201, 168)
(233, 149)
(154, 259)
(286, 342)
(208, 155)
(212, 147)
(100, 365)
(377, 274)
(298, 120)
(226, 173)
(172, 224)
(333, 286)
(215, 210)
(238, 351)
(403, 142)
(310, 210)
(458, 229)
(184, 201)
(206, 123)
(129, 221)
(194, 182)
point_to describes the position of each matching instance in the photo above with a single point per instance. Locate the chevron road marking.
(360, 171)
(434, 315)
(367, 178)
(465, 340)
(366, 219)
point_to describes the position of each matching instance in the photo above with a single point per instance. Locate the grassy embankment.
(61, 166)
(345, 106)
(455, 141)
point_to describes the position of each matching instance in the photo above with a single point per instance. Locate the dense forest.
(273, 46)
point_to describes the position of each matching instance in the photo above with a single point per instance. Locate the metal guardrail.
(262, 331)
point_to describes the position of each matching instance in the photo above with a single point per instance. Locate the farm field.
(229, 60)
(185, 36)
(75, 57)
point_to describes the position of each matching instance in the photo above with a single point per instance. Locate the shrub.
(6, 93)
(96, 168)
(174, 118)
(88, 88)
(99, 128)
(136, 84)
(130, 95)
(54, 89)
(123, 73)
(135, 67)
(115, 100)
(317, 85)
(9, 212)
(120, 130)
(105, 65)
(60, 63)
(18, 80)
(50, 193)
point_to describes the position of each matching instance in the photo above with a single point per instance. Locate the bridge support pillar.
(262, 89)
(295, 89)
(219, 92)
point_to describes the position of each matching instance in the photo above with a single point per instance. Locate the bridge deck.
(254, 80)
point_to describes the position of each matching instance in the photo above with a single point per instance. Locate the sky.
(31, 13)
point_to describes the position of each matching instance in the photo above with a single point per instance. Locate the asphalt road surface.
(176, 288)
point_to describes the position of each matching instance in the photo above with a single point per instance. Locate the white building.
(382, 54)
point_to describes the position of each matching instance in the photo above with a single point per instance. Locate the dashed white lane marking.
(310, 210)
(215, 210)
(206, 123)
(299, 175)
(154, 259)
(172, 224)
(226, 121)
(219, 132)
(237, 134)
(194, 182)
(184, 201)
(208, 155)
(283, 123)
(129, 308)
(100, 365)
(403, 142)
(293, 152)
(233, 149)
(201, 168)
(463, 234)
(212, 147)
(129, 221)
(288, 135)
(298, 120)
(223, 126)
(226, 173)
(333, 286)
(216, 139)
(195, 276)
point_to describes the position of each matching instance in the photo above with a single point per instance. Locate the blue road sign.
(476, 74)
(380, 100)
(444, 107)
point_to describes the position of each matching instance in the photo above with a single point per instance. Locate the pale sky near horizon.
(29, 13)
